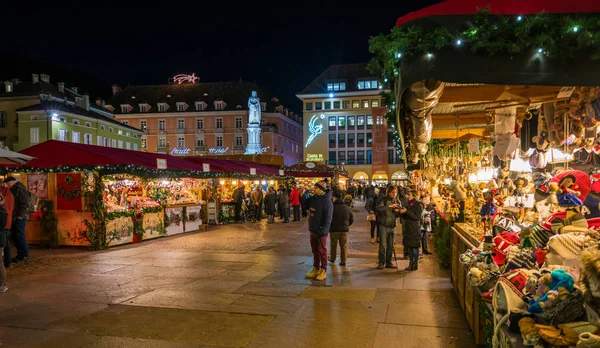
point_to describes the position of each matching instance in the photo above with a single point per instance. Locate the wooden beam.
(466, 94)
(450, 120)
(451, 134)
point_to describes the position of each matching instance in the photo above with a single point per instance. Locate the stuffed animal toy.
(507, 187)
(552, 199)
(488, 210)
(589, 278)
(538, 158)
(520, 191)
(550, 288)
(459, 193)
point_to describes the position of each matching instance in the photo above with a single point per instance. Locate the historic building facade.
(344, 124)
(206, 119)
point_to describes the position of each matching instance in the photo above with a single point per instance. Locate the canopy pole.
(398, 92)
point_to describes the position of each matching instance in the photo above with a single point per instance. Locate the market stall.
(520, 219)
(306, 174)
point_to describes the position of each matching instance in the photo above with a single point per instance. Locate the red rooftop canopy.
(501, 7)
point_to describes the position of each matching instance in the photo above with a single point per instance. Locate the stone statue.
(253, 109)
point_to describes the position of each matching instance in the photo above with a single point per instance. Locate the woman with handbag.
(372, 217)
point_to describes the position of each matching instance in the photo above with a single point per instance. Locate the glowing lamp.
(222, 182)
(234, 182)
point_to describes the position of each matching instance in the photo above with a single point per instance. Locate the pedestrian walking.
(304, 201)
(388, 210)
(9, 204)
(270, 202)
(295, 202)
(238, 198)
(257, 201)
(3, 241)
(340, 225)
(284, 202)
(412, 229)
(319, 222)
(19, 217)
(425, 231)
(370, 205)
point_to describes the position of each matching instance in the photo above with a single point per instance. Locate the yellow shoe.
(372, 240)
(312, 274)
(322, 275)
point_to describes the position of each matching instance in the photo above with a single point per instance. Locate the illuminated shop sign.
(314, 129)
(180, 151)
(218, 150)
(314, 157)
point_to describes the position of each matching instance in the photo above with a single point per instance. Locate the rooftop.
(348, 73)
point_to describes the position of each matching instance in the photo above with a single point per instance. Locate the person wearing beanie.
(411, 229)
(340, 225)
(19, 217)
(387, 210)
(319, 221)
(3, 242)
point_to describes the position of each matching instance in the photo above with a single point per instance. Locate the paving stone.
(174, 325)
(249, 274)
(168, 254)
(215, 285)
(265, 305)
(191, 273)
(425, 284)
(139, 270)
(160, 282)
(33, 338)
(426, 308)
(271, 289)
(339, 293)
(418, 337)
(184, 299)
(38, 316)
(123, 342)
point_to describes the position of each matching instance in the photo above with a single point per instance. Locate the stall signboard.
(194, 219)
(38, 185)
(473, 145)
(68, 191)
(153, 225)
(121, 228)
(161, 163)
(211, 206)
(206, 167)
(281, 172)
(252, 171)
(174, 216)
(314, 157)
(72, 227)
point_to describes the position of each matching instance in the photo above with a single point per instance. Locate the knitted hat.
(501, 244)
(9, 179)
(336, 192)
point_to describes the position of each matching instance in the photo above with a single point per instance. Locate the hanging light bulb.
(520, 18)
(458, 42)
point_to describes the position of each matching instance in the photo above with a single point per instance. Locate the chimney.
(99, 101)
(45, 78)
(86, 102)
(61, 87)
(35, 78)
(116, 89)
(75, 89)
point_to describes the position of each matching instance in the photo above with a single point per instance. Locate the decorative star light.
(183, 78)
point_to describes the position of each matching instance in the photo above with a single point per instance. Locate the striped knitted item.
(540, 236)
(520, 258)
(570, 245)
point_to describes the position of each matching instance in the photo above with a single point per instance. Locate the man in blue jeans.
(19, 218)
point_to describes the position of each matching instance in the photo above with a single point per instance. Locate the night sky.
(281, 46)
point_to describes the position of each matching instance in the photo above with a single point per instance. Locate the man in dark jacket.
(19, 217)
(340, 225)
(238, 198)
(270, 202)
(388, 209)
(319, 222)
(411, 221)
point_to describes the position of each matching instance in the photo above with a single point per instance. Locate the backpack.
(33, 202)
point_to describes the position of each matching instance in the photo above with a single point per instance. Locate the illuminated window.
(162, 107)
(144, 142)
(374, 103)
(120, 144)
(369, 139)
(34, 136)
(351, 122)
(124, 109)
(355, 104)
(62, 134)
(332, 123)
(365, 103)
(342, 122)
(360, 122)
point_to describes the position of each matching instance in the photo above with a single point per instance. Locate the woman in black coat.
(270, 202)
(370, 205)
(411, 228)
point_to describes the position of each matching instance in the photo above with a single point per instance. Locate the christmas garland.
(49, 221)
(557, 38)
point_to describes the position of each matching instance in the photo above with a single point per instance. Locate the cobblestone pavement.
(239, 285)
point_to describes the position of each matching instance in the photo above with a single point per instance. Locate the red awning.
(55, 153)
(502, 7)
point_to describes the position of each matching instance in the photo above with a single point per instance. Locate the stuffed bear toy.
(538, 158)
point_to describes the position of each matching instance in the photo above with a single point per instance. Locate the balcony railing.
(180, 130)
(200, 148)
(161, 149)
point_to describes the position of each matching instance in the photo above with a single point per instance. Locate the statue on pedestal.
(253, 109)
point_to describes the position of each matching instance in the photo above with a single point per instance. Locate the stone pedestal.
(254, 146)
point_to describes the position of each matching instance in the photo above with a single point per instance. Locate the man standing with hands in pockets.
(411, 228)
(388, 210)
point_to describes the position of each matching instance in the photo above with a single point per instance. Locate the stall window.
(346, 104)
(360, 157)
(351, 157)
(351, 122)
(331, 122)
(332, 142)
(341, 140)
(369, 121)
(342, 122)
(309, 106)
(219, 141)
(369, 139)
(360, 139)
(332, 157)
(351, 139)
(360, 122)
(318, 105)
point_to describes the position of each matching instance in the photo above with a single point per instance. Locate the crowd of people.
(386, 205)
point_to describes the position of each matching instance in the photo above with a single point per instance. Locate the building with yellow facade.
(344, 125)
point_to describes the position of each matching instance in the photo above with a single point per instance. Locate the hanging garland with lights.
(558, 38)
